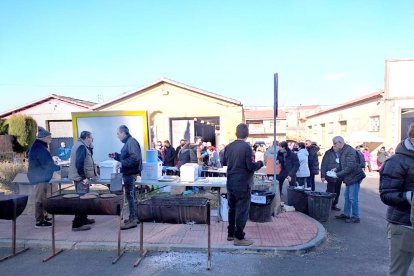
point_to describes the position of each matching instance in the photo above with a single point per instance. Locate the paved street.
(351, 249)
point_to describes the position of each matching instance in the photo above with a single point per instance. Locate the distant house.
(52, 112)
(176, 111)
(260, 122)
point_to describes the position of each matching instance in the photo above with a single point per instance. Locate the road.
(350, 249)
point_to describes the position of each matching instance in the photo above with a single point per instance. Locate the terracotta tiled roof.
(172, 82)
(366, 98)
(262, 114)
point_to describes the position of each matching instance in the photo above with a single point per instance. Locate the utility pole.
(277, 209)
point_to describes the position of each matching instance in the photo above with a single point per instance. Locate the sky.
(325, 52)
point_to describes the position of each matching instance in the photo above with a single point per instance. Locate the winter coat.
(81, 162)
(349, 169)
(382, 156)
(289, 163)
(397, 183)
(313, 161)
(184, 157)
(303, 170)
(240, 166)
(41, 165)
(169, 155)
(130, 156)
(329, 163)
(213, 159)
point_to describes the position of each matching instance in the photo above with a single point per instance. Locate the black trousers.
(334, 187)
(239, 204)
(80, 218)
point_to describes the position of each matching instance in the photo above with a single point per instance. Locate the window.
(374, 123)
(331, 128)
(343, 127)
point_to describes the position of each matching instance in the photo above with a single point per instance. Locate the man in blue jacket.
(41, 168)
(238, 157)
(130, 160)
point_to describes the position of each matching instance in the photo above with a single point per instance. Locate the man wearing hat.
(41, 168)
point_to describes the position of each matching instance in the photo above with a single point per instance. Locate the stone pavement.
(289, 232)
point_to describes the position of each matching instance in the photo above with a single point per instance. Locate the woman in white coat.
(303, 171)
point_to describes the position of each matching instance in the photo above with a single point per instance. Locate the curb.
(134, 246)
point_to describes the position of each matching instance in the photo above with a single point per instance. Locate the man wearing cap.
(40, 171)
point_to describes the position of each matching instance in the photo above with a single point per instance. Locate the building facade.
(382, 117)
(176, 111)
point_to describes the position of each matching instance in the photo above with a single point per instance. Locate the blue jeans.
(129, 185)
(351, 206)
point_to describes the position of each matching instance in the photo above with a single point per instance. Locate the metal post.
(54, 253)
(142, 251)
(277, 209)
(120, 252)
(209, 237)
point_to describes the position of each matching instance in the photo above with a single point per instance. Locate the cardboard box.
(189, 172)
(106, 168)
(151, 171)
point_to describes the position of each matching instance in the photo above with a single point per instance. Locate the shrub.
(3, 127)
(24, 129)
(8, 172)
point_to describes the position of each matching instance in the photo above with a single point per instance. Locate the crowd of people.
(201, 152)
(296, 162)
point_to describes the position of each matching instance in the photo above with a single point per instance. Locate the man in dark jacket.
(169, 154)
(330, 162)
(313, 163)
(41, 168)
(130, 160)
(81, 171)
(177, 150)
(238, 157)
(396, 191)
(289, 163)
(352, 175)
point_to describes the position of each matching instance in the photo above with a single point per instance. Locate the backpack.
(360, 159)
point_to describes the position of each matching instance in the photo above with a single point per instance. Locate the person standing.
(330, 162)
(313, 163)
(396, 191)
(289, 164)
(352, 175)
(177, 150)
(238, 157)
(63, 152)
(303, 172)
(382, 155)
(130, 164)
(169, 154)
(367, 158)
(40, 172)
(81, 170)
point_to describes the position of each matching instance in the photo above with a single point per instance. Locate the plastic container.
(106, 168)
(319, 205)
(261, 207)
(152, 156)
(297, 198)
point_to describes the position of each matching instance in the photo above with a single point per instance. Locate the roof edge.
(171, 82)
